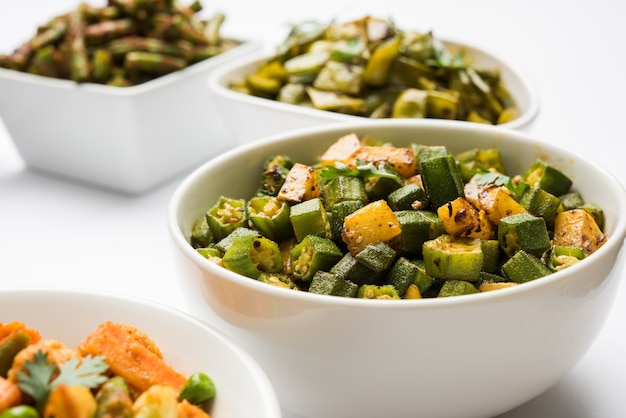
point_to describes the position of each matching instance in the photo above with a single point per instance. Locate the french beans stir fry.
(369, 67)
(124, 43)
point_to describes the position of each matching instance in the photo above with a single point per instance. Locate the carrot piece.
(130, 356)
(10, 394)
(9, 328)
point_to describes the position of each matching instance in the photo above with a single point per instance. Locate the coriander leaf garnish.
(38, 382)
(87, 373)
(363, 169)
(484, 179)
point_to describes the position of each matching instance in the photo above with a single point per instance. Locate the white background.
(54, 233)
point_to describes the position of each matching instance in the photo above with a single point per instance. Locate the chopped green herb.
(37, 382)
(498, 179)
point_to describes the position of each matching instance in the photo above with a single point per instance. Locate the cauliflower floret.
(58, 353)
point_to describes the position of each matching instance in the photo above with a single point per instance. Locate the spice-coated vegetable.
(122, 43)
(492, 230)
(370, 67)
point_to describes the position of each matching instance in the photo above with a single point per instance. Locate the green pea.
(197, 389)
(22, 411)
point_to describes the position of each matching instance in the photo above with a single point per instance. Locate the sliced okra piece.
(547, 177)
(523, 267)
(417, 227)
(343, 188)
(426, 152)
(211, 253)
(423, 281)
(251, 255)
(337, 214)
(491, 253)
(378, 257)
(310, 218)
(271, 217)
(278, 280)
(380, 187)
(201, 233)
(562, 256)
(350, 269)
(275, 172)
(488, 277)
(541, 203)
(442, 179)
(523, 231)
(372, 291)
(224, 244)
(571, 200)
(475, 159)
(408, 197)
(402, 274)
(225, 216)
(453, 258)
(312, 254)
(324, 283)
(456, 288)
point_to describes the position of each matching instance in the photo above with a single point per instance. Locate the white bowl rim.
(215, 83)
(615, 240)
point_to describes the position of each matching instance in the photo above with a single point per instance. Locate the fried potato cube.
(376, 222)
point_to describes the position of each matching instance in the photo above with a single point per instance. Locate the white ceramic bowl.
(187, 344)
(128, 139)
(266, 117)
(469, 356)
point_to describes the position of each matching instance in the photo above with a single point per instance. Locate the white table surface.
(55, 233)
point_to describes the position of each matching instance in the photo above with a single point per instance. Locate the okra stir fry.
(117, 371)
(371, 220)
(371, 68)
(122, 43)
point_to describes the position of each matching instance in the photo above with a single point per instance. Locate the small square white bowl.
(267, 117)
(128, 139)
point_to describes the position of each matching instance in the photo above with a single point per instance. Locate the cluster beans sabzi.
(123, 43)
(369, 67)
(371, 220)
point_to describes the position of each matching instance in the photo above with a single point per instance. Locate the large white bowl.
(188, 345)
(469, 356)
(266, 117)
(128, 139)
